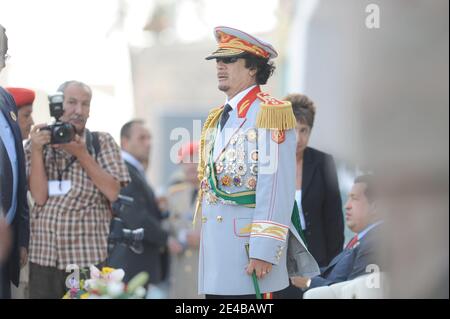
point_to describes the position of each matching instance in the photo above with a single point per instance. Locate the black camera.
(118, 234)
(61, 132)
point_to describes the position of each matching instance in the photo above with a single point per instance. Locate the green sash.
(246, 198)
(295, 218)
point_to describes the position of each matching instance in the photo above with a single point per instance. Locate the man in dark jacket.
(143, 213)
(13, 189)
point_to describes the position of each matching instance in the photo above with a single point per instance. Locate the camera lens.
(62, 133)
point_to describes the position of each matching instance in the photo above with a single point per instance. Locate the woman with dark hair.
(317, 192)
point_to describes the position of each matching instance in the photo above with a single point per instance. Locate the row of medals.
(233, 163)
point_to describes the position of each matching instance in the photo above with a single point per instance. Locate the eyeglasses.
(227, 60)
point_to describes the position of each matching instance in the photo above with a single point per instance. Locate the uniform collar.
(133, 161)
(238, 97)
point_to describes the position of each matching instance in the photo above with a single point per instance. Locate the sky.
(51, 41)
(45, 34)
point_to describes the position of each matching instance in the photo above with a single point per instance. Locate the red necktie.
(352, 242)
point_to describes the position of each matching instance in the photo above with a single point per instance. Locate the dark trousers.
(275, 295)
(47, 282)
(50, 282)
(290, 292)
(5, 282)
(230, 297)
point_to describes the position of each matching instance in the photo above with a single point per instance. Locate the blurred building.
(382, 96)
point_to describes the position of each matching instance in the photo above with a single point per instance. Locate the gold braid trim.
(210, 123)
(276, 117)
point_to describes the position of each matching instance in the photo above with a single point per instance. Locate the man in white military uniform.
(247, 174)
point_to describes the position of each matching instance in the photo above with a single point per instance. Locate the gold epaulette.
(274, 114)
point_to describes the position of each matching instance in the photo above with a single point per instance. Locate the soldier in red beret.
(24, 99)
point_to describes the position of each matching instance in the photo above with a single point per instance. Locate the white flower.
(89, 284)
(116, 276)
(115, 289)
(95, 272)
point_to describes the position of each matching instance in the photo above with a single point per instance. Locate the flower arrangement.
(107, 284)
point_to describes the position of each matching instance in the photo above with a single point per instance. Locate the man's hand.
(193, 239)
(76, 148)
(300, 282)
(174, 246)
(23, 257)
(163, 203)
(39, 137)
(5, 239)
(262, 268)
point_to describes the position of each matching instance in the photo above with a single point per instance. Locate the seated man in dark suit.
(363, 219)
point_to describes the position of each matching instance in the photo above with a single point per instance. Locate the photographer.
(73, 185)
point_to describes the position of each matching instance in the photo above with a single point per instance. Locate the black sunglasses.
(227, 60)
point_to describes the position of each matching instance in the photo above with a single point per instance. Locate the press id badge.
(59, 188)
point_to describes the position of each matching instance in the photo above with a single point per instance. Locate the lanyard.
(91, 151)
(61, 172)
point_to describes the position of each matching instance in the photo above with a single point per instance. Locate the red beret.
(189, 149)
(22, 96)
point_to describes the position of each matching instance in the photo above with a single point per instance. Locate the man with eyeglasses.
(247, 174)
(14, 223)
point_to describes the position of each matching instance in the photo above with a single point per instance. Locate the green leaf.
(138, 281)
